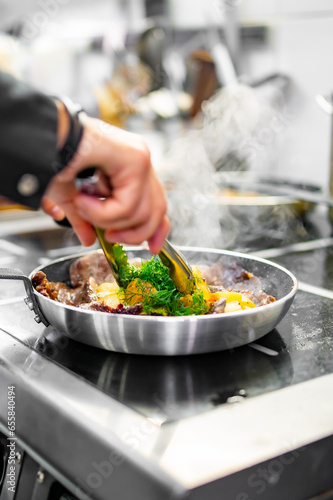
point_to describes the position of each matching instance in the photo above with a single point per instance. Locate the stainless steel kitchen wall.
(55, 35)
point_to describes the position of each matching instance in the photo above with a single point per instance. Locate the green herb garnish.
(162, 297)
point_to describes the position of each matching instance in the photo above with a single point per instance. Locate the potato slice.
(111, 300)
(106, 288)
(108, 294)
(232, 306)
(246, 303)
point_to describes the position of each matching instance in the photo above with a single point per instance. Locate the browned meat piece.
(42, 285)
(63, 293)
(268, 298)
(219, 306)
(85, 293)
(251, 286)
(38, 278)
(235, 274)
(214, 289)
(93, 265)
(218, 275)
(213, 275)
(259, 298)
(55, 291)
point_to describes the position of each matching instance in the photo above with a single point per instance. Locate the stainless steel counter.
(259, 447)
(255, 422)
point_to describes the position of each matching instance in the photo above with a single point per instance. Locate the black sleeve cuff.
(28, 141)
(65, 155)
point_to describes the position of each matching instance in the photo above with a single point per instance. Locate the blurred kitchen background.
(232, 97)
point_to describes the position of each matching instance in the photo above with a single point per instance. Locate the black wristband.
(74, 137)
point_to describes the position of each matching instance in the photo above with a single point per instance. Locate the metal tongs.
(86, 182)
(107, 248)
(179, 269)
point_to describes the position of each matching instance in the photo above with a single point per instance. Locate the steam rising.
(190, 184)
(239, 131)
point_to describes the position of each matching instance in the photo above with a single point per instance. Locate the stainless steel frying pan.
(169, 336)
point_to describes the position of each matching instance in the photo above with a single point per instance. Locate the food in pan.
(144, 287)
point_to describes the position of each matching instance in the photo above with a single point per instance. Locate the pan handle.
(31, 300)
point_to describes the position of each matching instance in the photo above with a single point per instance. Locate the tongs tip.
(179, 269)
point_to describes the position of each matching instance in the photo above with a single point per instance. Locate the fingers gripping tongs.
(179, 269)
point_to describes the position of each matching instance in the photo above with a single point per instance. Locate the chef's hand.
(136, 210)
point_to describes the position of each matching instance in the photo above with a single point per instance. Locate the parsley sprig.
(165, 298)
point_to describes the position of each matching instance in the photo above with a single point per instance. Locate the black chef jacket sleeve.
(28, 141)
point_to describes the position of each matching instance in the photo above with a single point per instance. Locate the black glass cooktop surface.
(171, 388)
(314, 267)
